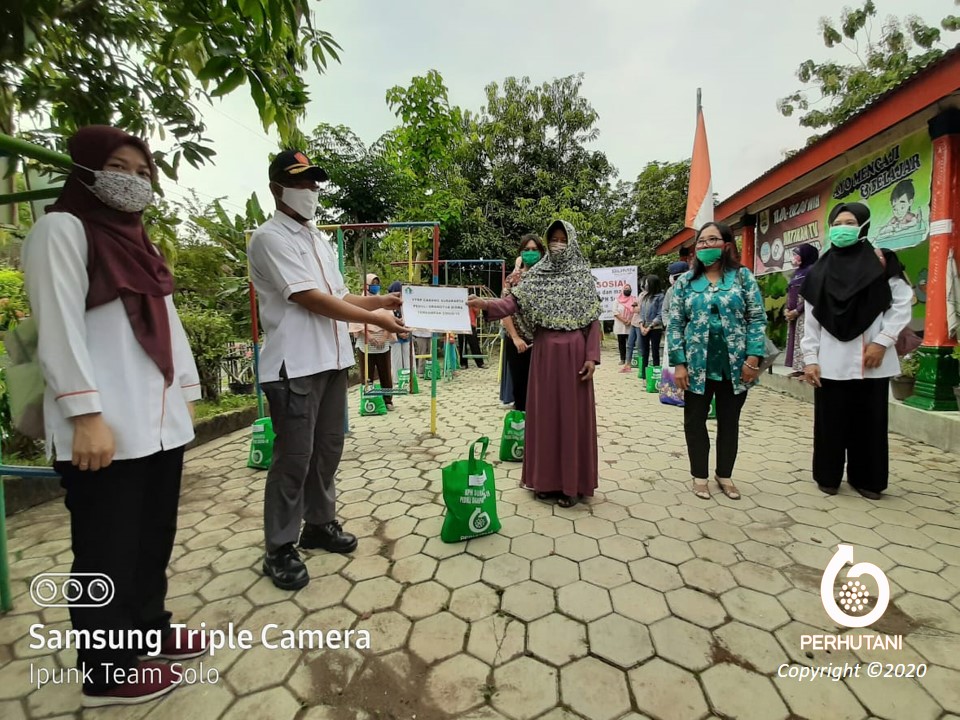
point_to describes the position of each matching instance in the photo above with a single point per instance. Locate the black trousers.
(519, 372)
(123, 521)
(622, 347)
(474, 342)
(695, 411)
(850, 427)
(378, 368)
(650, 343)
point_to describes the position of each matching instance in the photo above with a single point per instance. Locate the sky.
(642, 64)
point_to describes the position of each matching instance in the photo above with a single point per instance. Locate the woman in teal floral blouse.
(716, 341)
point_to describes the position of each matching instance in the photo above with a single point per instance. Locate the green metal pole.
(23, 148)
(6, 599)
(29, 196)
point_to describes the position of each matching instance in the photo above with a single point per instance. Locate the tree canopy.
(149, 65)
(879, 59)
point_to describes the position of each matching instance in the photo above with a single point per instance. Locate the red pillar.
(749, 241)
(938, 372)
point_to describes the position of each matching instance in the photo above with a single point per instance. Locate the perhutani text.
(231, 638)
(851, 642)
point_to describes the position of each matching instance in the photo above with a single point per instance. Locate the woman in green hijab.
(558, 299)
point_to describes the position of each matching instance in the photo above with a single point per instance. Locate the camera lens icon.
(82, 590)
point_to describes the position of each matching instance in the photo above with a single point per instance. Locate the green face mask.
(844, 235)
(708, 256)
(530, 257)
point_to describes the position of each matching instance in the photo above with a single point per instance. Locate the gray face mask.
(120, 191)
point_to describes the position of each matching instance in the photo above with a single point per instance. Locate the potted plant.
(902, 384)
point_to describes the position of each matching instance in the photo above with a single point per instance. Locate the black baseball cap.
(292, 165)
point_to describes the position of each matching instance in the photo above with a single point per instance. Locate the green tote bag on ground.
(470, 495)
(511, 441)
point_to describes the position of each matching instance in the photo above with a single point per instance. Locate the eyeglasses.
(704, 241)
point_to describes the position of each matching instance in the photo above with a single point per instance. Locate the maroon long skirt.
(560, 452)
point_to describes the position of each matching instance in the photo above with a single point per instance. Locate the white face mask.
(119, 190)
(302, 201)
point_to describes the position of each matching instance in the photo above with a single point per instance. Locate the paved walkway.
(646, 602)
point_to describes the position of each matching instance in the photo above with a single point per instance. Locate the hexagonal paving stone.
(683, 643)
(438, 637)
(261, 667)
(750, 646)
(639, 603)
(594, 527)
(528, 600)
(277, 702)
(456, 685)
(553, 526)
(459, 571)
(605, 572)
(496, 639)
(388, 630)
(696, 607)
(584, 601)
(665, 691)
(754, 608)
(554, 571)
(669, 550)
(594, 689)
(900, 699)
(414, 569)
(707, 576)
(474, 602)
(365, 568)
(622, 548)
(923, 583)
(576, 547)
(557, 639)
(619, 640)
(655, 574)
(488, 546)
(831, 701)
(525, 688)
(715, 551)
(760, 578)
(755, 697)
(372, 595)
(532, 546)
(505, 570)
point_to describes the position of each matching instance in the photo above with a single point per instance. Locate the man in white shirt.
(304, 308)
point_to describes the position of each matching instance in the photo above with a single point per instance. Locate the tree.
(146, 64)
(904, 46)
(527, 159)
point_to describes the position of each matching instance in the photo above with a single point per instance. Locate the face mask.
(120, 191)
(374, 289)
(302, 202)
(626, 292)
(530, 257)
(844, 235)
(557, 248)
(708, 256)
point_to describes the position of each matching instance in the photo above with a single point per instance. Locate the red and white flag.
(700, 190)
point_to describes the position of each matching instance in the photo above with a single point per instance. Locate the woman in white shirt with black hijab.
(857, 303)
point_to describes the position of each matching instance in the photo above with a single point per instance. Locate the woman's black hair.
(728, 260)
(527, 239)
(652, 283)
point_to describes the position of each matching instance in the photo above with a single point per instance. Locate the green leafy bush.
(209, 332)
(909, 365)
(13, 298)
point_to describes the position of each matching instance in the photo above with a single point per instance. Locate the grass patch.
(33, 461)
(226, 403)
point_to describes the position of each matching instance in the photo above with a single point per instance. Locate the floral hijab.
(559, 292)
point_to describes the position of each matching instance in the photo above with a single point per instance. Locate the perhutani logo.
(850, 606)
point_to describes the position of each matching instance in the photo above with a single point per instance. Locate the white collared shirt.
(287, 257)
(844, 360)
(92, 361)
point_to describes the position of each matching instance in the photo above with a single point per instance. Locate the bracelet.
(752, 367)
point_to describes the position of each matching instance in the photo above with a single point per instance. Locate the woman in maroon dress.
(558, 298)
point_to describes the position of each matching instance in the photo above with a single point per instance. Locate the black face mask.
(626, 293)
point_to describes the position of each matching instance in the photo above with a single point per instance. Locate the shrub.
(909, 364)
(13, 298)
(209, 332)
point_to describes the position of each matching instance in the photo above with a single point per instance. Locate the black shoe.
(868, 494)
(826, 489)
(285, 568)
(329, 537)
